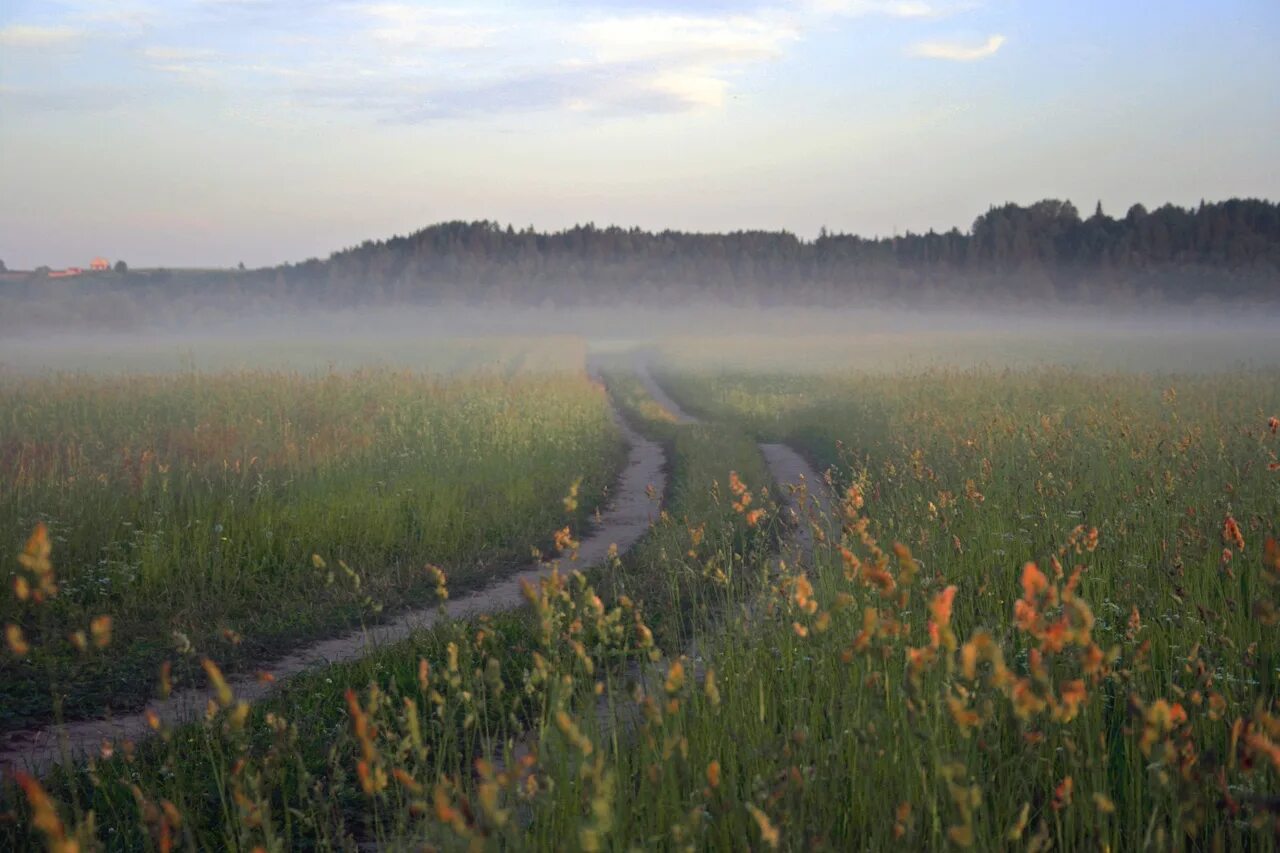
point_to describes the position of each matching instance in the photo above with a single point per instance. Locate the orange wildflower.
(1062, 794)
(44, 815)
(965, 717)
(768, 832)
(675, 677)
(941, 606)
(1026, 703)
(221, 690)
(1231, 534)
(803, 595)
(100, 630)
(407, 781)
(17, 642)
(1071, 695)
(1033, 582)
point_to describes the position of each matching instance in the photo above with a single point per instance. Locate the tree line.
(1219, 251)
(1230, 247)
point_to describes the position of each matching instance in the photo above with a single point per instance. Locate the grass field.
(1075, 645)
(1046, 620)
(188, 507)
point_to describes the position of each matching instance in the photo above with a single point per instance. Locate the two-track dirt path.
(629, 513)
(804, 493)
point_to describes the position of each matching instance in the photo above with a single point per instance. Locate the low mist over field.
(1219, 259)
(451, 339)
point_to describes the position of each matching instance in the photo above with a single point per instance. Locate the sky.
(211, 132)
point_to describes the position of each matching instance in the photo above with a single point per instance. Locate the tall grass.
(192, 504)
(285, 773)
(1044, 617)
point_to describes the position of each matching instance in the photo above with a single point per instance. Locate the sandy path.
(805, 495)
(629, 514)
(660, 396)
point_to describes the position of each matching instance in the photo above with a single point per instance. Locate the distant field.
(193, 503)
(289, 348)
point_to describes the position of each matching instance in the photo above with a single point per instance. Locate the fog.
(448, 339)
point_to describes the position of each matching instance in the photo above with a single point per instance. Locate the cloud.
(602, 89)
(400, 25)
(684, 38)
(888, 8)
(957, 51)
(177, 54)
(690, 89)
(406, 61)
(26, 36)
(626, 63)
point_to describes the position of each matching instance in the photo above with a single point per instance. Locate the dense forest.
(1221, 251)
(1232, 246)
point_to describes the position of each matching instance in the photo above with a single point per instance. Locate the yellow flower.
(17, 642)
(675, 677)
(100, 630)
(711, 689)
(768, 832)
(220, 687)
(713, 774)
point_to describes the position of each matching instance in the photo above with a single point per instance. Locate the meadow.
(241, 512)
(1054, 599)
(1041, 615)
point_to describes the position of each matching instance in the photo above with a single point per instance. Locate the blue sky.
(206, 132)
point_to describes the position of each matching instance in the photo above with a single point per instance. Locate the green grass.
(494, 700)
(979, 472)
(1129, 708)
(193, 503)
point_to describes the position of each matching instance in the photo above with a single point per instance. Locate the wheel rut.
(804, 494)
(629, 512)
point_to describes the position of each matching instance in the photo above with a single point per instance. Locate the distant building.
(67, 273)
(100, 265)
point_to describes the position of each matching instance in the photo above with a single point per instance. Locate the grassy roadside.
(284, 773)
(1073, 648)
(186, 510)
(902, 692)
(674, 578)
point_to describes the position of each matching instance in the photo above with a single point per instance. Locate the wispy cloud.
(889, 8)
(178, 54)
(401, 25)
(407, 67)
(686, 38)
(405, 61)
(188, 62)
(25, 36)
(956, 51)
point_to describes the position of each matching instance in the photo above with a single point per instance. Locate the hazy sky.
(206, 132)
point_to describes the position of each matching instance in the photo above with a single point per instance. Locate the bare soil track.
(628, 515)
(630, 512)
(806, 495)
